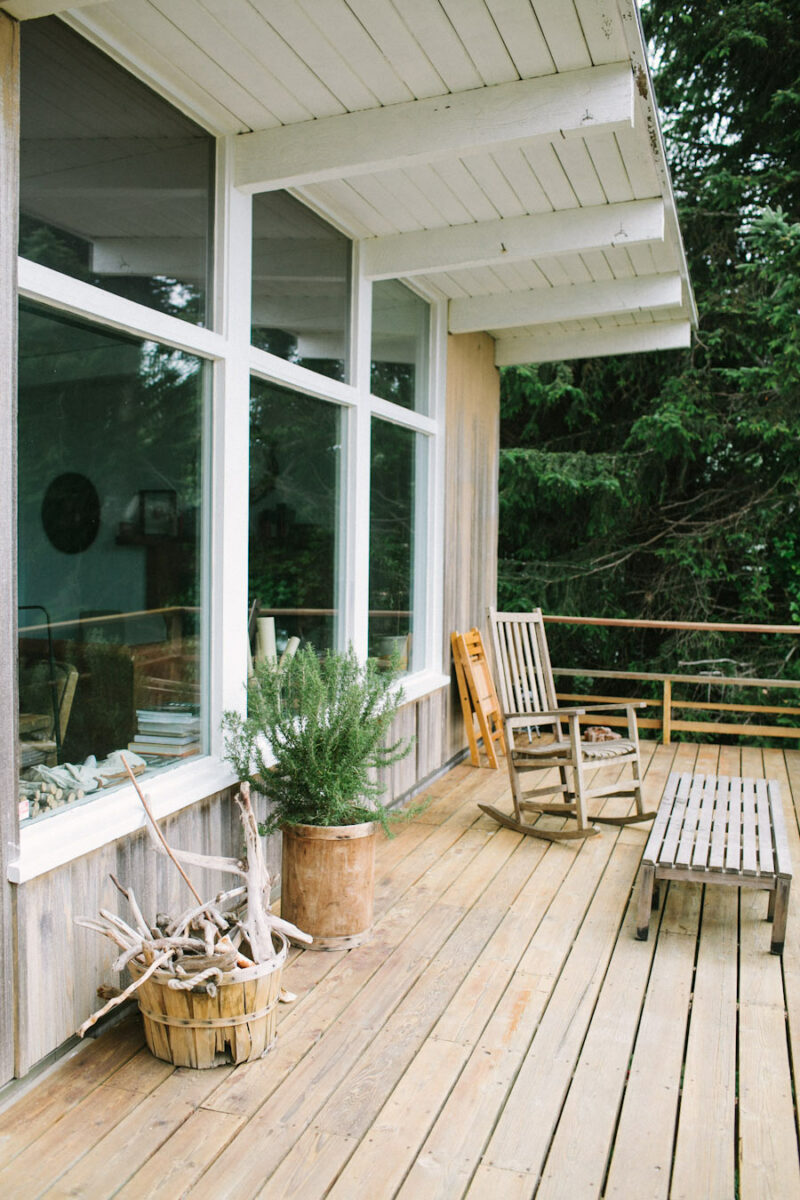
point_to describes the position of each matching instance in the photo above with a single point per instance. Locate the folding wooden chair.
(478, 698)
(528, 698)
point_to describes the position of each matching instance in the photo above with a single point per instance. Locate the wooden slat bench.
(719, 829)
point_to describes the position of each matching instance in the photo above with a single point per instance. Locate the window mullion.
(354, 573)
(226, 570)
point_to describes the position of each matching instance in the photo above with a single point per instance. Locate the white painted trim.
(80, 829)
(228, 491)
(573, 103)
(545, 306)
(299, 379)
(26, 10)
(513, 239)
(357, 422)
(407, 417)
(103, 29)
(435, 500)
(631, 24)
(421, 684)
(106, 817)
(662, 335)
(82, 299)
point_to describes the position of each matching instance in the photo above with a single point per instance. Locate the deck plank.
(785, 767)
(136, 1137)
(705, 1144)
(502, 1034)
(67, 1086)
(521, 1138)
(598, 1083)
(768, 1161)
(183, 1158)
(642, 1149)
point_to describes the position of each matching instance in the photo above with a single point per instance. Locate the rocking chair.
(528, 699)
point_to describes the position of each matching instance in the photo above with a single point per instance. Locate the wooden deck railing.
(668, 703)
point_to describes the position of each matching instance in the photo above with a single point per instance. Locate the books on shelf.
(150, 750)
(172, 732)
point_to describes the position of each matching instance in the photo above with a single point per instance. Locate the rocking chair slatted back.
(522, 663)
(556, 764)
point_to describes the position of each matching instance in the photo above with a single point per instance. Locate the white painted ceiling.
(502, 154)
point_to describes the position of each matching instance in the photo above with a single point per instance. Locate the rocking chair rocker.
(528, 699)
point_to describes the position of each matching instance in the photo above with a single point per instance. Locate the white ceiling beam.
(26, 10)
(630, 339)
(513, 239)
(543, 306)
(571, 104)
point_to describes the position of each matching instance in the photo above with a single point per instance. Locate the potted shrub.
(314, 738)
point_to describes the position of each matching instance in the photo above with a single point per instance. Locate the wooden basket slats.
(193, 1029)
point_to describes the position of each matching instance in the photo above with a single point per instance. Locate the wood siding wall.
(61, 964)
(471, 506)
(9, 139)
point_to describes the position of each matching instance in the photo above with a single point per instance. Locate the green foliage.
(326, 724)
(666, 485)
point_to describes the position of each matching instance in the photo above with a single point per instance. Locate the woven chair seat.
(589, 750)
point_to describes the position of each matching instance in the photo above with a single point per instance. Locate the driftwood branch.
(157, 829)
(117, 1000)
(204, 943)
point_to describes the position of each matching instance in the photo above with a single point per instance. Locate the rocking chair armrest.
(544, 712)
(593, 708)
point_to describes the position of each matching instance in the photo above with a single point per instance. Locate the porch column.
(9, 820)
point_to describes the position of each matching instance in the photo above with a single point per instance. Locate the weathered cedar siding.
(9, 138)
(62, 964)
(472, 455)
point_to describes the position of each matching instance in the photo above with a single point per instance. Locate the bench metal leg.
(780, 910)
(644, 908)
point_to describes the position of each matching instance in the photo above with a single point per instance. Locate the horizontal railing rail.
(668, 703)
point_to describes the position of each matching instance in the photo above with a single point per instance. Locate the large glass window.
(115, 184)
(391, 544)
(295, 465)
(301, 285)
(110, 463)
(400, 338)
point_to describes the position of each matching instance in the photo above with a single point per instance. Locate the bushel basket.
(193, 1029)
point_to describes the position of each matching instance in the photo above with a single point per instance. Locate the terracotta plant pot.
(327, 882)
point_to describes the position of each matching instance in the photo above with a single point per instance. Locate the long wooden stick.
(117, 1000)
(161, 837)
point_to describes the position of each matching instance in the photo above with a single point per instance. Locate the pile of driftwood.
(212, 937)
(41, 796)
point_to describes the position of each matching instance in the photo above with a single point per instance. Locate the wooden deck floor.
(503, 1035)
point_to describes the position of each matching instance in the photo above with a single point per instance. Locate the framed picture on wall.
(159, 513)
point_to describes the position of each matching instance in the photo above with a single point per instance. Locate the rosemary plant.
(325, 723)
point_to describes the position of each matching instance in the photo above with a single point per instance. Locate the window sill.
(74, 832)
(422, 684)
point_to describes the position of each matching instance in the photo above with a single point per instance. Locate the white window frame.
(78, 830)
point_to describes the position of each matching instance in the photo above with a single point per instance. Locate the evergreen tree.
(665, 485)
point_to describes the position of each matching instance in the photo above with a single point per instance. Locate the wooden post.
(9, 765)
(666, 714)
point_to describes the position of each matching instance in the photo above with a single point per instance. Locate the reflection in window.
(295, 444)
(109, 514)
(115, 184)
(400, 328)
(301, 285)
(391, 544)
